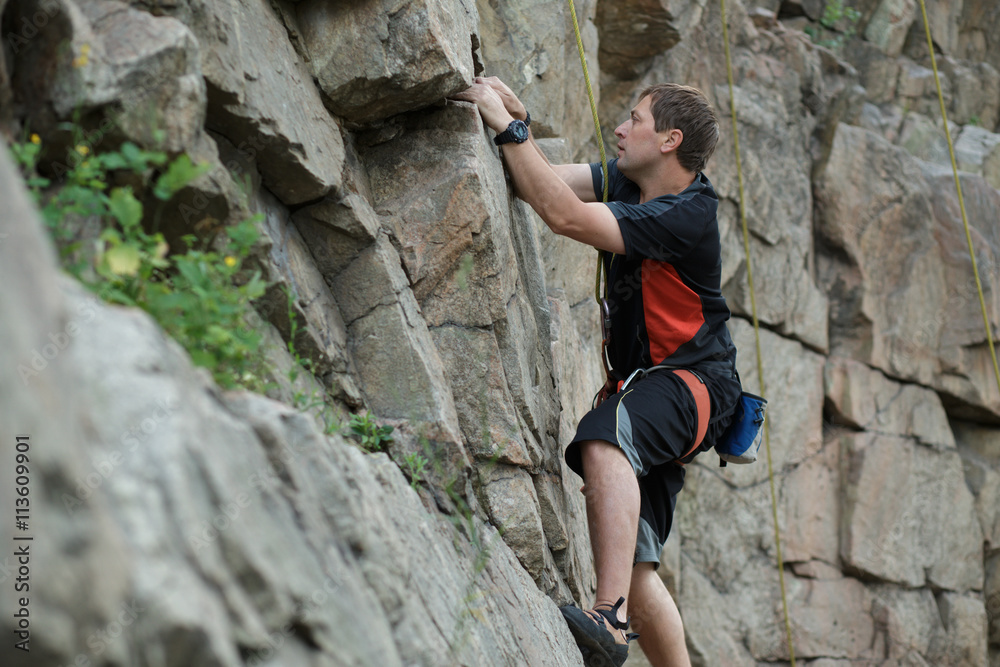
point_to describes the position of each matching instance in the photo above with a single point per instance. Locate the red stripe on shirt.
(672, 309)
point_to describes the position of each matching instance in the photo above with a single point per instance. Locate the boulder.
(778, 195)
(527, 363)
(296, 289)
(909, 624)
(974, 147)
(983, 477)
(991, 168)
(944, 18)
(576, 561)
(399, 370)
(877, 72)
(975, 92)
(810, 500)
(889, 25)
(918, 318)
(964, 618)
(720, 526)
(907, 514)
(530, 46)
(704, 610)
(978, 39)
(336, 231)
(486, 412)
(967, 383)
(139, 72)
(416, 52)
(830, 618)
(863, 398)
(513, 506)
(775, 214)
(924, 138)
(266, 107)
(884, 120)
(631, 33)
(470, 257)
(442, 187)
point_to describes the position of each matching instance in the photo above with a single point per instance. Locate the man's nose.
(620, 131)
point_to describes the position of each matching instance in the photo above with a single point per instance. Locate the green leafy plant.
(827, 33)
(415, 465)
(372, 437)
(200, 296)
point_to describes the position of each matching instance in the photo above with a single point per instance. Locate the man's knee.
(648, 594)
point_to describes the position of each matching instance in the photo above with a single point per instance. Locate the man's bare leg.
(613, 516)
(656, 619)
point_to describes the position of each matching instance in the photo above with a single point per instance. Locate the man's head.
(672, 106)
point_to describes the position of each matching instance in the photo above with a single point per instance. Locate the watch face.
(520, 131)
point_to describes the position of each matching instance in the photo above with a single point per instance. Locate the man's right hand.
(510, 101)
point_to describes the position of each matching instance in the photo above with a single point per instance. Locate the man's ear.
(672, 141)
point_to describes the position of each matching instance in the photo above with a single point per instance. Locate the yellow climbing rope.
(756, 333)
(961, 200)
(600, 138)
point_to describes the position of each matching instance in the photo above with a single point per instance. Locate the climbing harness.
(961, 200)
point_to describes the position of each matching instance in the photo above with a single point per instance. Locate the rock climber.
(663, 307)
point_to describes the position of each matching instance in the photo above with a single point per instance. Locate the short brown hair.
(677, 107)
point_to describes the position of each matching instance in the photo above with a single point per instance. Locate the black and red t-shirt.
(664, 293)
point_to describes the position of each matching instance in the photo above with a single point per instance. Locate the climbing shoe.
(596, 641)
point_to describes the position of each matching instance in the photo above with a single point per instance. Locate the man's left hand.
(490, 104)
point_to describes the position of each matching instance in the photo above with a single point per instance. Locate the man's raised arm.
(576, 176)
(563, 196)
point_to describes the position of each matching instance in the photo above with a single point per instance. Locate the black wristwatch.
(516, 132)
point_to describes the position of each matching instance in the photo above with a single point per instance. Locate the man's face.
(638, 141)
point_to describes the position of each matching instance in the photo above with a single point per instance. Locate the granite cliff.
(176, 523)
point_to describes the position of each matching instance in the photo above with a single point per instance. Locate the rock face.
(227, 527)
(177, 524)
(407, 54)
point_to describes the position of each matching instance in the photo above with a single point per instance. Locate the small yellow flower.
(230, 261)
(83, 149)
(35, 139)
(82, 59)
